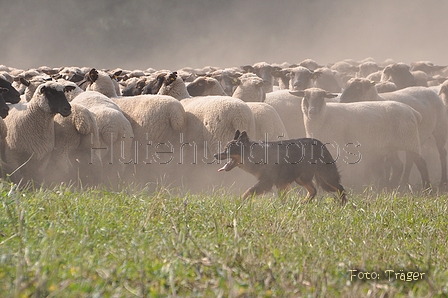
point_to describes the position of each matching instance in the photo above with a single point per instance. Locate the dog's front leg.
(259, 188)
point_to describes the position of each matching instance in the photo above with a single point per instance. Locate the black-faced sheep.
(12, 96)
(30, 139)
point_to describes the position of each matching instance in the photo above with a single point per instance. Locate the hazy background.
(137, 34)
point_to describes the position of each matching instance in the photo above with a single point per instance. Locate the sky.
(171, 34)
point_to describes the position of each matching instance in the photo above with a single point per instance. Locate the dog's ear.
(243, 137)
(237, 135)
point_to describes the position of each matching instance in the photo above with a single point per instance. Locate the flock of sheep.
(112, 127)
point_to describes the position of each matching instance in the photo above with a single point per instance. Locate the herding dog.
(281, 163)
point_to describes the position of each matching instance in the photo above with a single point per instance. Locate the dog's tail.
(327, 175)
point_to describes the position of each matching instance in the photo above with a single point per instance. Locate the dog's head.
(233, 151)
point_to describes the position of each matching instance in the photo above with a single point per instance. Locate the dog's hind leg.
(282, 189)
(259, 188)
(309, 186)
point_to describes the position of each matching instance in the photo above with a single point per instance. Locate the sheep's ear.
(42, 90)
(316, 74)
(25, 82)
(248, 68)
(93, 75)
(236, 82)
(116, 74)
(82, 121)
(330, 95)
(3, 90)
(299, 93)
(69, 88)
(237, 135)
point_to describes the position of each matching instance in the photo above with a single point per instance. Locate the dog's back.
(284, 162)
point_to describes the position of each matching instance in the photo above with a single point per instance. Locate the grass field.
(98, 243)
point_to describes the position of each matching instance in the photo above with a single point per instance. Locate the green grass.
(97, 243)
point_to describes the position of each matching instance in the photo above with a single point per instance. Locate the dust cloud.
(172, 34)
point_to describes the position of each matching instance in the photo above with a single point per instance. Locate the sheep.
(267, 122)
(310, 64)
(434, 119)
(12, 96)
(426, 66)
(203, 86)
(156, 120)
(443, 93)
(211, 121)
(228, 78)
(381, 128)
(30, 138)
(115, 133)
(287, 105)
(72, 157)
(400, 74)
(102, 82)
(250, 89)
(4, 109)
(264, 71)
(171, 84)
(134, 86)
(367, 68)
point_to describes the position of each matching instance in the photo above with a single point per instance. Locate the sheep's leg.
(259, 188)
(422, 167)
(442, 154)
(309, 186)
(397, 170)
(408, 167)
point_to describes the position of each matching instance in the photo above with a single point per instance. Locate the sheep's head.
(4, 109)
(357, 89)
(301, 78)
(55, 97)
(202, 86)
(313, 102)
(12, 96)
(400, 74)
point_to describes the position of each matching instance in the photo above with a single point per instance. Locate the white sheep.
(264, 71)
(30, 138)
(250, 88)
(73, 159)
(115, 133)
(157, 122)
(434, 124)
(101, 82)
(268, 124)
(381, 129)
(203, 86)
(211, 121)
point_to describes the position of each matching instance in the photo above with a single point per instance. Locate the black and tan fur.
(282, 163)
